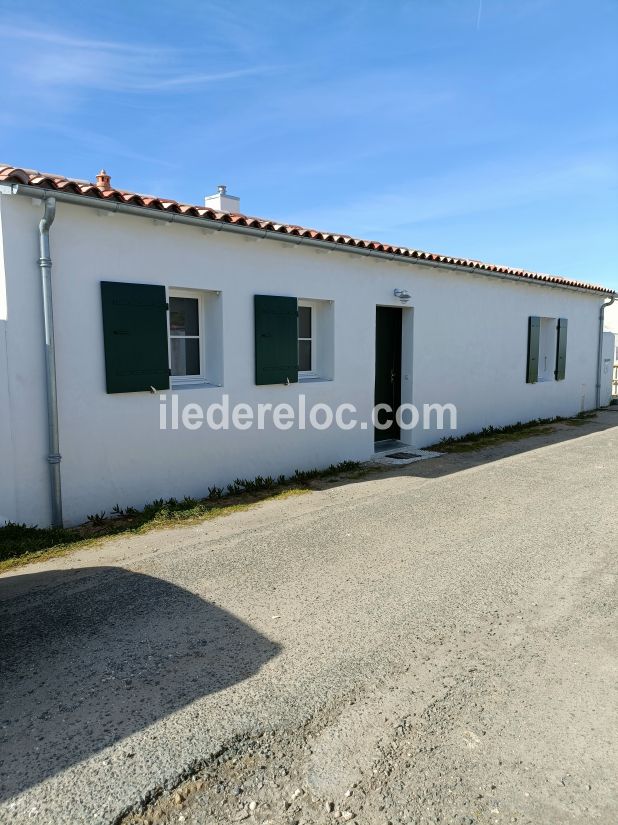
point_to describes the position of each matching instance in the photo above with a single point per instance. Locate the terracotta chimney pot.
(103, 180)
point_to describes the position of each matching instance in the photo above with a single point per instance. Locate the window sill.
(198, 384)
(313, 379)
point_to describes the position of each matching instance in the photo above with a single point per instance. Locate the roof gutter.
(219, 226)
(45, 264)
(607, 303)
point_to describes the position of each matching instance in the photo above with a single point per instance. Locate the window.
(294, 339)
(306, 340)
(547, 349)
(186, 335)
(151, 333)
(195, 337)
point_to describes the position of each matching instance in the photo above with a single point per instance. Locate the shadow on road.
(459, 459)
(90, 656)
(453, 462)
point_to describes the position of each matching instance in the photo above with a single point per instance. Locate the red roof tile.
(11, 175)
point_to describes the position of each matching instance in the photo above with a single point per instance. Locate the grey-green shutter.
(276, 339)
(534, 330)
(561, 345)
(135, 337)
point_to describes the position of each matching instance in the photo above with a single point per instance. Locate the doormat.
(402, 457)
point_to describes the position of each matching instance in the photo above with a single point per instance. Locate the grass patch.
(490, 436)
(21, 544)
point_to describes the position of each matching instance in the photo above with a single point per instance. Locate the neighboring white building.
(611, 328)
(611, 319)
(611, 325)
(330, 311)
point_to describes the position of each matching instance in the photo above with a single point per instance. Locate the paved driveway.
(472, 595)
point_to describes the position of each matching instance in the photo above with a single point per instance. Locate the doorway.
(388, 369)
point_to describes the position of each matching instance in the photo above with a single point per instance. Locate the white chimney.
(222, 202)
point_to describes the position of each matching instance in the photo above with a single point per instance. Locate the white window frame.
(196, 295)
(312, 373)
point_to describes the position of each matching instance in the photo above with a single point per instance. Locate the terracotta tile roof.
(30, 177)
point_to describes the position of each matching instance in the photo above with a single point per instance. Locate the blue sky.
(479, 128)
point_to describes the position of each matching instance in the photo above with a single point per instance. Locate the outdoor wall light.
(403, 295)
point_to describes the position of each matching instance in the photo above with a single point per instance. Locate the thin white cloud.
(470, 191)
(105, 145)
(68, 63)
(192, 80)
(28, 32)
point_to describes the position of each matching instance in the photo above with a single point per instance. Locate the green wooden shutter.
(276, 339)
(135, 337)
(534, 331)
(561, 345)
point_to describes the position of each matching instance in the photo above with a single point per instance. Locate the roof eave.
(403, 256)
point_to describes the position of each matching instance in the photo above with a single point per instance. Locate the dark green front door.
(388, 368)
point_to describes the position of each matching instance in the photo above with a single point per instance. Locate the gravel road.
(432, 644)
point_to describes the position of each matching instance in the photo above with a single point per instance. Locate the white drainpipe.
(53, 457)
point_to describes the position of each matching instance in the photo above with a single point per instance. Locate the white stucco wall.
(112, 448)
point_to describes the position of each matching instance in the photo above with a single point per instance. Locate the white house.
(158, 305)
